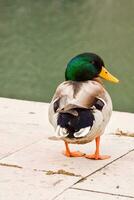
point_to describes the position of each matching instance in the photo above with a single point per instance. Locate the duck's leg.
(68, 153)
(97, 155)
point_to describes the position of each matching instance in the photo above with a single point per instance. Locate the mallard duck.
(81, 107)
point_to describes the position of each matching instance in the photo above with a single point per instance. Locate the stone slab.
(117, 178)
(24, 136)
(47, 155)
(21, 124)
(23, 184)
(74, 194)
(121, 120)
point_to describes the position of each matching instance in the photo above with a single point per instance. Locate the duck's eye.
(93, 62)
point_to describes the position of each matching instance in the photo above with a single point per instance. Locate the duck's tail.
(74, 123)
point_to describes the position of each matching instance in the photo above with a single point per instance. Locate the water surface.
(37, 39)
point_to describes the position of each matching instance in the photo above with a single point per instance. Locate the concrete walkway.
(32, 166)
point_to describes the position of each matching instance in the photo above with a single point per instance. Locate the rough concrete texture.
(33, 167)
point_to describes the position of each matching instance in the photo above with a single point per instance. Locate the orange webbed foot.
(73, 154)
(97, 157)
(68, 153)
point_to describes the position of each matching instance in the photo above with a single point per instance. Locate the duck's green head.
(87, 66)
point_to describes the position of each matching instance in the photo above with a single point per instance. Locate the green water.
(37, 38)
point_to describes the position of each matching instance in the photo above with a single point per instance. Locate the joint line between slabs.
(10, 154)
(100, 192)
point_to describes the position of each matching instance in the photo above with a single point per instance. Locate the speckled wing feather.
(81, 94)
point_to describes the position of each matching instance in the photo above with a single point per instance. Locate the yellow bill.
(107, 76)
